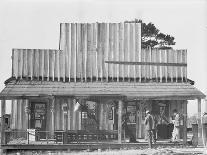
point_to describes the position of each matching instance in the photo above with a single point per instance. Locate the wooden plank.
(69, 51)
(102, 50)
(162, 52)
(184, 60)
(142, 66)
(61, 65)
(93, 53)
(110, 52)
(134, 49)
(173, 67)
(57, 75)
(176, 68)
(35, 56)
(139, 48)
(150, 60)
(31, 63)
(48, 65)
(179, 60)
(63, 53)
(15, 63)
(25, 71)
(95, 37)
(85, 52)
(79, 56)
(153, 68)
(99, 49)
(53, 65)
(75, 52)
(131, 50)
(113, 54)
(166, 68)
(128, 49)
(40, 64)
(147, 59)
(121, 44)
(116, 37)
(168, 61)
(107, 51)
(66, 50)
(20, 63)
(159, 71)
(89, 69)
(181, 68)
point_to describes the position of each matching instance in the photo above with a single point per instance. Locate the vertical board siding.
(84, 50)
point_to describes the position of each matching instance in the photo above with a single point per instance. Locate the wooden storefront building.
(101, 68)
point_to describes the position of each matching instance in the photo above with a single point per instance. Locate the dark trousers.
(149, 137)
(154, 135)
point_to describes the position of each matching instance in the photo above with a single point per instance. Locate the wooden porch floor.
(89, 145)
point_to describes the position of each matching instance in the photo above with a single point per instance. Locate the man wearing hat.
(148, 127)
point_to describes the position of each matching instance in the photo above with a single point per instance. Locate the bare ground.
(144, 151)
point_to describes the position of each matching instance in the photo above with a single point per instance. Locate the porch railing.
(59, 136)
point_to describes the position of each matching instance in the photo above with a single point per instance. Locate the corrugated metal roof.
(130, 90)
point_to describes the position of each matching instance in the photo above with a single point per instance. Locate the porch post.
(120, 105)
(52, 117)
(199, 123)
(185, 122)
(2, 122)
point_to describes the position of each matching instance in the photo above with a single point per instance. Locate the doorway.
(38, 118)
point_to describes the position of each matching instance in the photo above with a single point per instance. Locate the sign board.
(31, 134)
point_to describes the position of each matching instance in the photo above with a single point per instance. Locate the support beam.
(3, 122)
(52, 109)
(120, 105)
(185, 122)
(200, 143)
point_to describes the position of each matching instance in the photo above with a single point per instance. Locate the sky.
(35, 24)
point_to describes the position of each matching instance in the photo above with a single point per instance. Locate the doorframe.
(47, 103)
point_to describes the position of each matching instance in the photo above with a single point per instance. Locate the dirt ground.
(144, 151)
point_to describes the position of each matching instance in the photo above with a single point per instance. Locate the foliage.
(152, 37)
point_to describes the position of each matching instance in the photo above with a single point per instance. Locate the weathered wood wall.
(100, 52)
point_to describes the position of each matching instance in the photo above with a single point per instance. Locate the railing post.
(52, 117)
(185, 123)
(27, 110)
(120, 105)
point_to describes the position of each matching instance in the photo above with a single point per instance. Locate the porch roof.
(130, 90)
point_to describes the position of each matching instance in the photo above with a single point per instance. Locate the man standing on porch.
(148, 127)
(176, 122)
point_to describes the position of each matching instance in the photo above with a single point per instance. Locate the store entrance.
(38, 118)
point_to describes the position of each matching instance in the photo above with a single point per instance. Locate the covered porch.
(51, 109)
